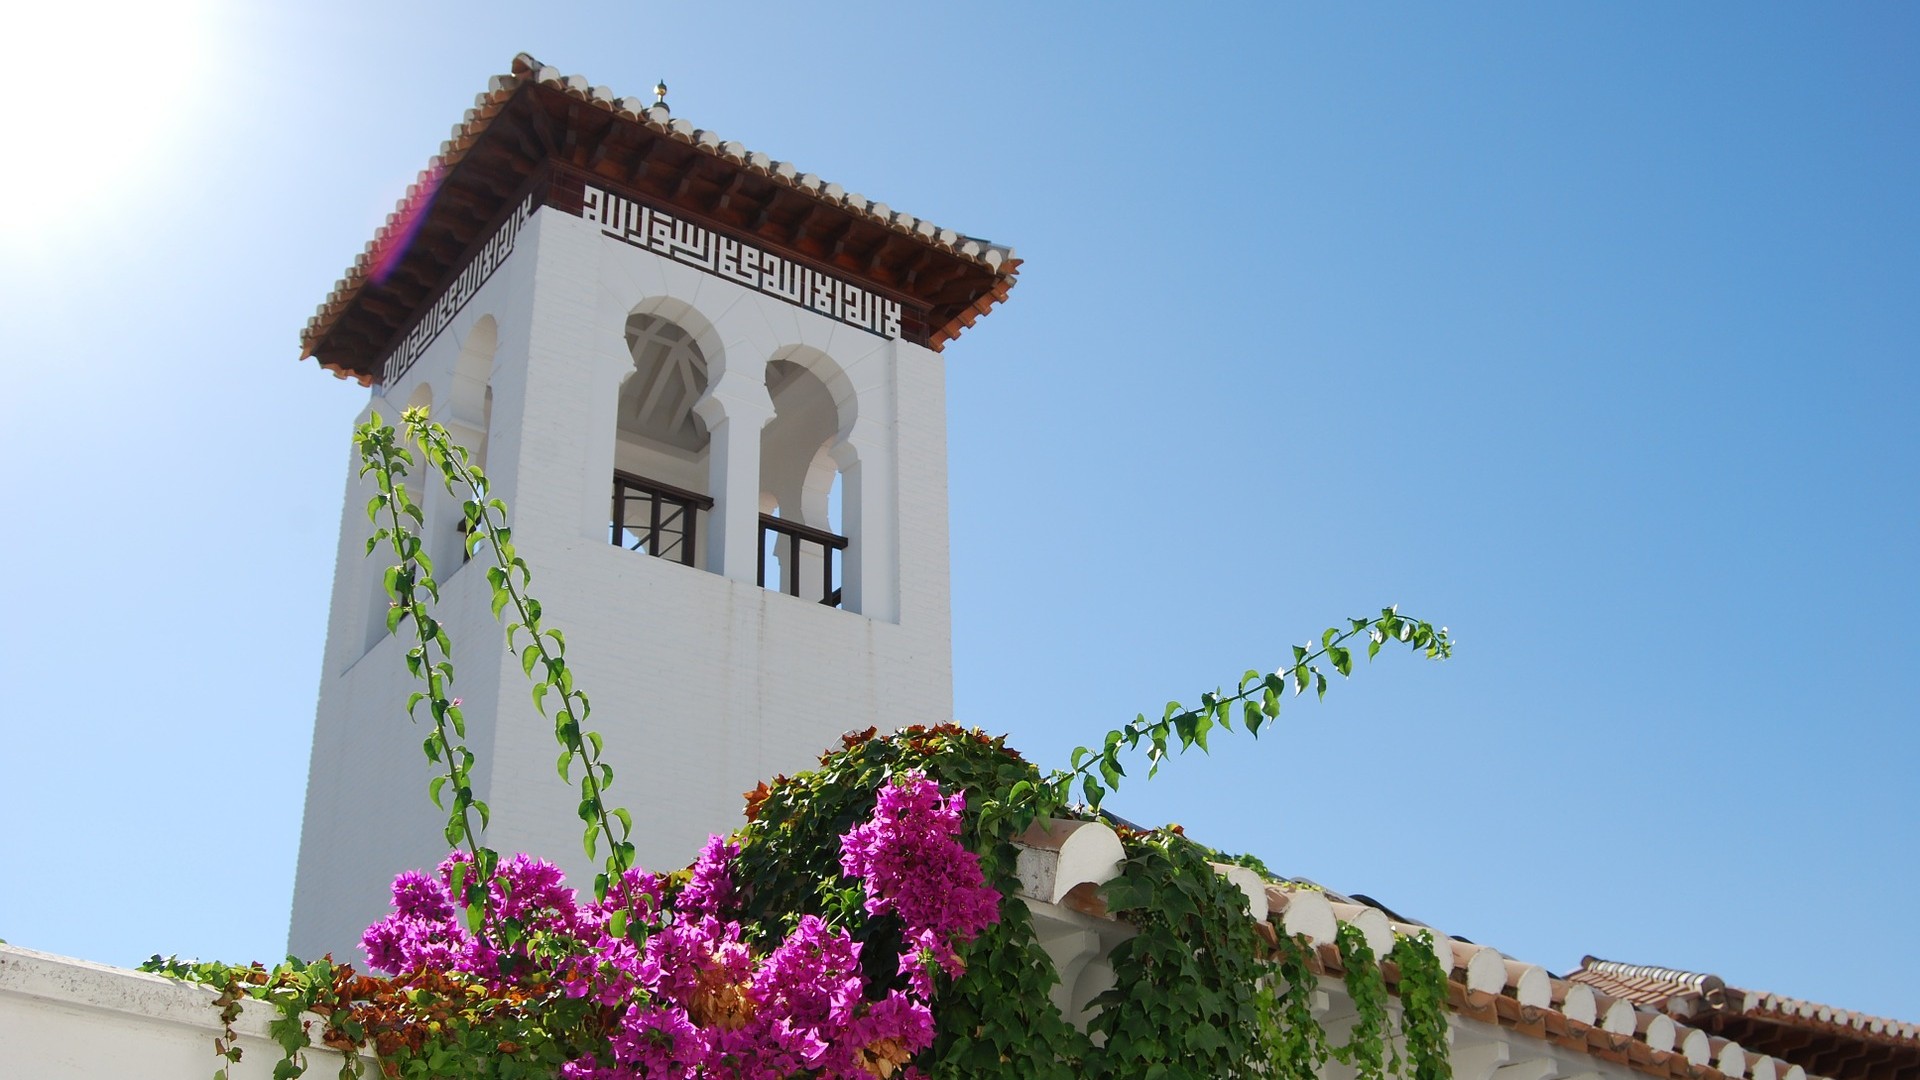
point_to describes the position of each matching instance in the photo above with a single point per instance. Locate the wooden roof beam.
(837, 243)
(519, 129)
(542, 126)
(685, 184)
(940, 277)
(602, 147)
(806, 228)
(910, 273)
(892, 255)
(643, 160)
(728, 193)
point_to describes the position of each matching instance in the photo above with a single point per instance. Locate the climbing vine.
(1185, 1002)
(1423, 1005)
(1369, 1044)
(865, 922)
(543, 655)
(411, 591)
(1292, 1041)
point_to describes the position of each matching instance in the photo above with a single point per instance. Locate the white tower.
(710, 388)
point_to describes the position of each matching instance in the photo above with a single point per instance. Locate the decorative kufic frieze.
(645, 227)
(442, 311)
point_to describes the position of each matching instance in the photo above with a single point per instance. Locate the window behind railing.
(657, 518)
(796, 546)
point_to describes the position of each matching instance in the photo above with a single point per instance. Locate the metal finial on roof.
(660, 93)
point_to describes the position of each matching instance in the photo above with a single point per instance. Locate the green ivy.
(1423, 1005)
(1369, 1047)
(1185, 1004)
(1293, 1043)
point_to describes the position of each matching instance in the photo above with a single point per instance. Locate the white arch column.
(735, 409)
(870, 587)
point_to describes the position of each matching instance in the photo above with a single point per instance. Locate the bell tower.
(710, 387)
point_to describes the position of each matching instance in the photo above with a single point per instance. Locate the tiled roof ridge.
(1693, 981)
(1065, 862)
(999, 258)
(1646, 984)
(1760, 1001)
(1715, 991)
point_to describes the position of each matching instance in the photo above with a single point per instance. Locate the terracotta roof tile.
(1696, 994)
(997, 260)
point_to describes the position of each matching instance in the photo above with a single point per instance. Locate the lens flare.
(393, 243)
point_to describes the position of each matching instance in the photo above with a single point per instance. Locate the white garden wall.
(66, 1019)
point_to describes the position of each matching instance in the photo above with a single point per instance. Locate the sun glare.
(129, 72)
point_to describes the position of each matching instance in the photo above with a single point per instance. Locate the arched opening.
(803, 542)
(661, 449)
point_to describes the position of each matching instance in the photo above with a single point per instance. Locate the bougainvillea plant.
(863, 923)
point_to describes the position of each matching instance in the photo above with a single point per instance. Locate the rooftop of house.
(534, 124)
(1829, 1041)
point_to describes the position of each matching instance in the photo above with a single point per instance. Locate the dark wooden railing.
(656, 518)
(794, 534)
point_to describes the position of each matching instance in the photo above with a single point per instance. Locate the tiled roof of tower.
(534, 117)
(1842, 1043)
(1612, 1012)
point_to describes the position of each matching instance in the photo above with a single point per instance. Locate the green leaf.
(1128, 892)
(1092, 791)
(1342, 660)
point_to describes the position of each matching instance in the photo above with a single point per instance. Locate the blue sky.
(1589, 332)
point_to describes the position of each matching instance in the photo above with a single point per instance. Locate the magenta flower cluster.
(914, 866)
(692, 999)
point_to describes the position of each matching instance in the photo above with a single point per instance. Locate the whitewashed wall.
(66, 1019)
(703, 684)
